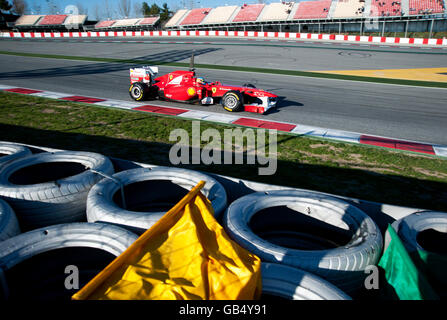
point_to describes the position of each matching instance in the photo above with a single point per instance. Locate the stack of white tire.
(98, 244)
(101, 206)
(286, 282)
(52, 202)
(9, 226)
(53, 216)
(343, 266)
(10, 151)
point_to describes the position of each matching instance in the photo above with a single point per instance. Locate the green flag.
(407, 282)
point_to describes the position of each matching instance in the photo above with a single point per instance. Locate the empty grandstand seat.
(385, 8)
(76, 19)
(148, 21)
(220, 14)
(125, 23)
(27, 20)
(52, 20)
(104, 24)
(176, 18)
(277, 11)
(349, 9)
(425, 6)
(313, 9)
(249, 12)
(195, 16)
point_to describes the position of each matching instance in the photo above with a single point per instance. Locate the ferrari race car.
(184, 86)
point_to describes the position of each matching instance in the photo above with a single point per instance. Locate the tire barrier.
(149, 194)
(10, 151)
(311, 231)
(9, 226)
(412, 229)
(33, 265)
(424, 236)
(51, 188)
(281, 281)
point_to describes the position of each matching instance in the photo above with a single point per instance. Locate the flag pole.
(102, 276)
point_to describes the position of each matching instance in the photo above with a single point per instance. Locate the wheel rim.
(231, 102)
(136, 92)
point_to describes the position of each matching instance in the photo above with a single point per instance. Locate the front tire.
(232, 101)
(138, 91)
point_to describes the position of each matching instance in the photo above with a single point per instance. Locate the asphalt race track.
(280, 54)
(396, 111)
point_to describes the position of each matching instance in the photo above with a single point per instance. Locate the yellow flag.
(185, 255)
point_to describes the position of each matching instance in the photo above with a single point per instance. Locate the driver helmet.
(200, 80)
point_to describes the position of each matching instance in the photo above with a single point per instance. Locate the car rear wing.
(143, 74)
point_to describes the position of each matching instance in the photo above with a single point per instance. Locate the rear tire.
(138, 91)
(232, 101)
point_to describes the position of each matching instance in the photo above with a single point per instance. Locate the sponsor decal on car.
(191, 91)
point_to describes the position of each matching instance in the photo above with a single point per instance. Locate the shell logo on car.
(191, 91)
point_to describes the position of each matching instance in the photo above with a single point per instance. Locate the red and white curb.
(302, 130)
(229, 34)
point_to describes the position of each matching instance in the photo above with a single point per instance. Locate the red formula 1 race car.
(184, 86)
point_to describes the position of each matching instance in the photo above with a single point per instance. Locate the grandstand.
(27, 21)
(220, 15)
(127, 24)
(349, 9)
(195, 16)
(52, 20)
(418, 7)
(249, 12)
(75, 21)
(149, 21)
(58, 22)
(328, 16)
(385, 8)
(276, 11)
(318, 16)
(105, 24)
(313, 9)
(123, 23)
(281, 12)
(176, 18)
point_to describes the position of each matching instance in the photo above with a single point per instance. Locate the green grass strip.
(238, 68)
(339, 168)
